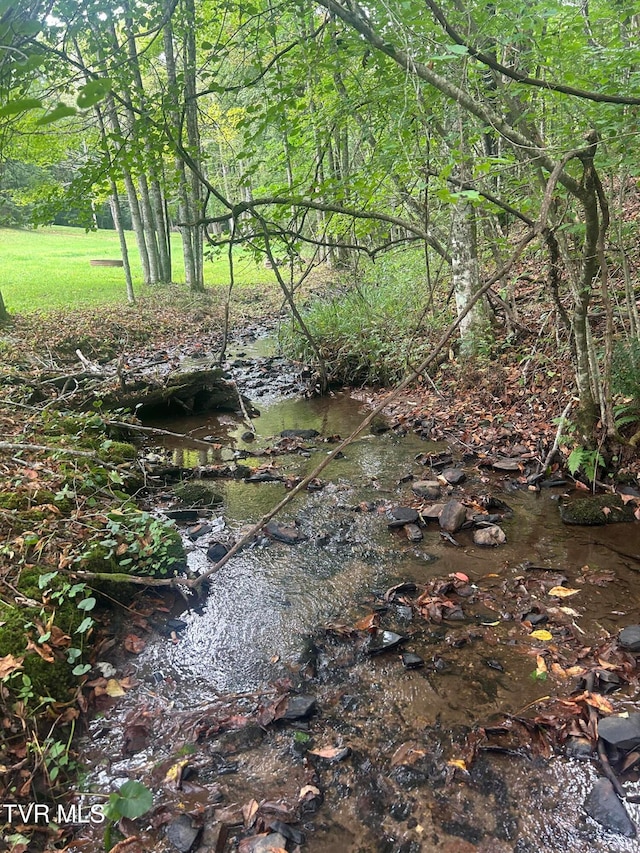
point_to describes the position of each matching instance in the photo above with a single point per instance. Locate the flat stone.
(287, 533)
(429, 489)
(489, 536)
(414, 534)
(198, 530)
(432, 513)
(410, 660)
(454, 476)
(287, 831)
(453, 516)
(299, 707)
(535, 618)
(182, 833)
(401, 515)
(384, 642)
(621, 732)
(299, 433)
(506, 465)
(603, 805)
(216, 551)
(629, 638)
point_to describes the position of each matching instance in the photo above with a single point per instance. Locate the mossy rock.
(14, 500)
(197, 493)
(596, 510)
(117, 452)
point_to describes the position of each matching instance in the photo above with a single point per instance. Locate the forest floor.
(505, 406)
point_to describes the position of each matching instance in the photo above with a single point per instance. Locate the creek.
(399, 790)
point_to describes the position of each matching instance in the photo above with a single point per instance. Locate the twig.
(156, 431)
(556, 442)
(43, 448)
(245, 414)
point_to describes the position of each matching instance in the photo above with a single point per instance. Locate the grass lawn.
(48, 269)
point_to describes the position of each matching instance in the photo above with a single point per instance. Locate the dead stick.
(556, 442)
(166, 432)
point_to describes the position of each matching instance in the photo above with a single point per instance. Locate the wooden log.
(106, 262)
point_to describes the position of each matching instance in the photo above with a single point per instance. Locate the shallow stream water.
(264, 604)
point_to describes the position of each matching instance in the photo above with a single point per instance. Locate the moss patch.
(197, 493)
(596, 510)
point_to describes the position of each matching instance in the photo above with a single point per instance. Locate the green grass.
(48, 269)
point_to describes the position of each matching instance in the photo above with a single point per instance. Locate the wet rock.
(269, 843)
(414, 534)
(453, 516)
(429, 489)
(182, 833)
(198, 530)
(408, 777)
(629, 638)
(401, 515)
(216, 551)
(287, 533)
(410, 660)
(290, 833)
(599, 509)
(379, 425)
(265, 477)
(579, 748)
(299, 707)
(454, 476)
(197, 493)
(603, 805)
(384, 642)
(621, 732)
(306, 434)
(489, 536)
(182, 514)
(506, 465)
(248, 436)
(432, 513)
(535, 617)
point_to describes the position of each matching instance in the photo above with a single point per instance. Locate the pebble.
(183, 834)
(603, 805)
(630, 638)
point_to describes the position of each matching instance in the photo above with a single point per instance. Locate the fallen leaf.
(599, 702)
(134, 644)
(407, 753)
(541, 665)
(308, 790)
(367, 623)
(9, 664)
(330, 752)
(569, 611)
(45, 651)
(174, 773)
(541, 634)
(114, 688)
(460, 576)
(457, 762)
(562, 591)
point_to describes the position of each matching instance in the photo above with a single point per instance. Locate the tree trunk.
(465, 272)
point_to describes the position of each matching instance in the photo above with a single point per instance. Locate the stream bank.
(358, 688)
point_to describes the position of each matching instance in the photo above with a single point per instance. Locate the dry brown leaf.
(45, 651)
(134, 644)
(308, 789)
(367, 623)
(407, 753)
(598, 702)
(541, 666)
(327, 751)
(9, 664)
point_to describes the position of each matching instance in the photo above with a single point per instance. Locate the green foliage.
(131, 801)
(137, 543)
(625, 369)
(585, 460)
(368, 332)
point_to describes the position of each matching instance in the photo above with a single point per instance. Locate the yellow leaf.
(173, 773)
(113, 688)
(457, 762)
(541, 634)
(558, 671)
(562, 591)
(541, 666)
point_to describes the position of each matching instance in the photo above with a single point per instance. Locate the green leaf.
(58, 112)
(81, 669)
(84, 626)
(134, 799)
(20, 105)
(93, 92)
(87, 604)
(45, 579)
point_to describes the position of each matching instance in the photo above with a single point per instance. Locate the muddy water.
(265, 602)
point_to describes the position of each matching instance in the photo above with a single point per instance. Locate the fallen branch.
(556, 443)
(155, 431)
